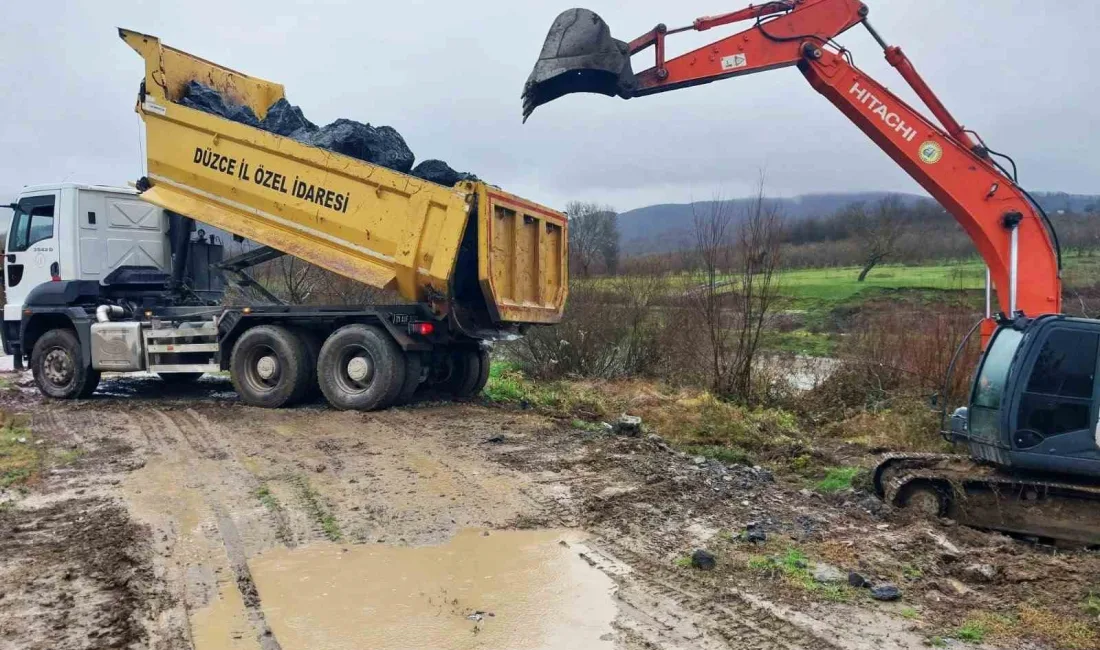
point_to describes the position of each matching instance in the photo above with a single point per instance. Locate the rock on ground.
(828, 573)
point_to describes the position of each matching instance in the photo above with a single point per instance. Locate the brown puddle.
(532, 592)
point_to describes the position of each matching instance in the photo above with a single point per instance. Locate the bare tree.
(593, 238)
(738, 257)
(338, 290)
(295, 279)
(878, 230)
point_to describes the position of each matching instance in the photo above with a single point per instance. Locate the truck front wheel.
(270, 367)
(58, 366)
(361, 368)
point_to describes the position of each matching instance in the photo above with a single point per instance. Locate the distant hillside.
(667, 227)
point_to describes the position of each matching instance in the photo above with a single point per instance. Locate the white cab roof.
(53, 187)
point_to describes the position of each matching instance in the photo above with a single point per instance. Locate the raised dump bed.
(490, 259)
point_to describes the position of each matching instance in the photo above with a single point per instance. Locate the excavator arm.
(1012, 235)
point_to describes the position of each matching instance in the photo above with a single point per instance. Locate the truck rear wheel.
(360, 368)
(270, 367)
(483, 372)
(58, 367)
(312, 341)
(465, 372)
(414, 367)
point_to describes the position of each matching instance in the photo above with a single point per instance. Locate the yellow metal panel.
(521, 257)
(168, 71)
(359, 220)
(353, 218)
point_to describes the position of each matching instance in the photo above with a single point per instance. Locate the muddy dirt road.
(174, 522)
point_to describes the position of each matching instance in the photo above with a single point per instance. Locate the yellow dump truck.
(472, 263)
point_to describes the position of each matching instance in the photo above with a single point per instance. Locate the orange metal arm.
(995, 212)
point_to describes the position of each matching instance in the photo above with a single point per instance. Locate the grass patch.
(1063, 631)
(508, 385)
(585, 425)
(1091, 606)
(1030, 622)
(69, 456)
(682, 561)
(20, 462)
(267, 499)
(813, 344)
(318, 511)
(794, 568)
(839, 284)
(972, 631)
(837, 479)
(728, 455)
(909, 613)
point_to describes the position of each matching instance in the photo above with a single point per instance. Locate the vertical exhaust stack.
(579, 56)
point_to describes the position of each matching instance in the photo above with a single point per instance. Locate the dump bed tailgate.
(362, 221)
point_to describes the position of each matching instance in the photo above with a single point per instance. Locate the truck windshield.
(31, 223)
(994, 373)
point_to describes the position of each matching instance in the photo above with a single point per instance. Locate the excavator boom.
(1034, 465)
(1007, 227)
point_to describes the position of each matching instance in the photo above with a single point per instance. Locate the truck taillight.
(422, 329)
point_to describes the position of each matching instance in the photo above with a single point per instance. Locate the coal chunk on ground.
(440, 172)
(886, 592)
(204, 98)
(703, 560)
(380, 145)
(284, 118)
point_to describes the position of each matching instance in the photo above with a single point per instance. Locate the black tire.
(312, 340)
(180, 378)
(413, 369)
(270, 367)
(361, 368)
(483, 372)
(58, 368)
(465, 372)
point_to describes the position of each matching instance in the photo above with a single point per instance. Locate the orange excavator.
(1031, 424)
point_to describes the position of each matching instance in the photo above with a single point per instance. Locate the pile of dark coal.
(378, 145)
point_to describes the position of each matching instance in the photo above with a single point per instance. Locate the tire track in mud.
(657, 611)
(183, 439)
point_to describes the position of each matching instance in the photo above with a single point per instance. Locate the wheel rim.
(58, 367)
(263, 370)
(355, 369)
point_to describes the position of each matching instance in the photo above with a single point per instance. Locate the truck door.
(1057, 408)
(33, 254)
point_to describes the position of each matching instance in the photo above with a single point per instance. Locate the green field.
(840, 284)
(817, 297)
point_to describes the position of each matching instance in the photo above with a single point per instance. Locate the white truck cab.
(72, 231)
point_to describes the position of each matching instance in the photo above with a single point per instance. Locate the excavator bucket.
(579, 56)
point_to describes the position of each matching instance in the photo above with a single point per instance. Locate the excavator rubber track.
(982, 496)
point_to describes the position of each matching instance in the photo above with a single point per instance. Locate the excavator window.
(1059, 393)
(989, 389)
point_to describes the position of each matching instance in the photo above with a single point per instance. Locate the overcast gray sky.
(448, 75)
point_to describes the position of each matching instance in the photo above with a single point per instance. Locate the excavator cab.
(1034, 402)
(578, 56)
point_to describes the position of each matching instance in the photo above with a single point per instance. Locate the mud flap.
(579, 56)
